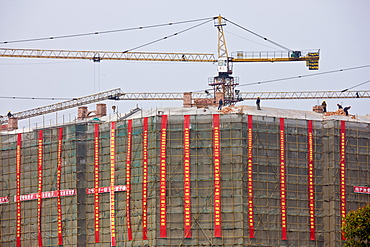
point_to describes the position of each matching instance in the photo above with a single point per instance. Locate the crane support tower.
(226, 83)
(223, 83)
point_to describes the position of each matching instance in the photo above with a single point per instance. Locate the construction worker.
(258, 101)
(10, 114)
(323, 104)
(339, 106)
(220, 103)
(346, 109)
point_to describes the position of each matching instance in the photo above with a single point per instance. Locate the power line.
(44, 63)
(356, 86)
(303, 76)
(166, 37)
(36, 98)
(103, 32)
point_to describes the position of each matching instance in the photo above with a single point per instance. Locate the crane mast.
(223, 82)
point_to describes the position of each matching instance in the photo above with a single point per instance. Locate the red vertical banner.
(250, 177)
(96, 184)
(59, 176)
(311, 180)
(128, 179)
(217, 176)
(187, 183)
(342, 168)
(39, 190)
(283, 182)
(111, 185)
(18, 192)
(145, 180)
(163, 179)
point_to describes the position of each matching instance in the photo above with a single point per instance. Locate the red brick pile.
(339, 112)
(228, 109)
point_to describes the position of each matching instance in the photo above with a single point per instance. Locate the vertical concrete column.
(330, 183)
(82, 112)
(187, 100)
(81, 154)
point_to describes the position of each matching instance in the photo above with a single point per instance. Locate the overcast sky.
(339, 28)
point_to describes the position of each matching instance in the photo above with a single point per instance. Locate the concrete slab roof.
(249, 110)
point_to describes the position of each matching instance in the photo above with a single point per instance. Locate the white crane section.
(118, 94)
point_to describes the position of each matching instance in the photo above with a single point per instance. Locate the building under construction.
(185, 177)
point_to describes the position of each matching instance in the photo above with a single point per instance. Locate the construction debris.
(232, 109)
(339, 112)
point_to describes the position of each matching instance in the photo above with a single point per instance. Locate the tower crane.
(223, 82)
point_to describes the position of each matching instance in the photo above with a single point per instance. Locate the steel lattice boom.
(106, 55)
(307, 95)
(154, 56)
(111, 94)
(117, 94)
(253, 95)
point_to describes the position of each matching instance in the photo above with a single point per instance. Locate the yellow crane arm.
(311, 57)
(106, 55)
(286, 59)
(154, 56)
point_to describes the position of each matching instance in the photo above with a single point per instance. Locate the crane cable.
(362, 83)
(264, 38)
(166, 37)
(103, 32)
(248, 39)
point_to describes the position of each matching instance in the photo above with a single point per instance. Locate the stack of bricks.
(318, 109)
(199, 103)
(228, 109)
(339, 112)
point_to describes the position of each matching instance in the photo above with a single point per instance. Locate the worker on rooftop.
(10, 114)
(220, 103)
(339, 106)
(346, 109)
(258, 101)
(323, 104)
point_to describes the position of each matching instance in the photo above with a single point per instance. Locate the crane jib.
(105, 55)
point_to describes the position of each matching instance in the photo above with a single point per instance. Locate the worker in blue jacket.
(258, 101)
(346, 109)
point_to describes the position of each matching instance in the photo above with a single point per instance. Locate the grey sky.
(338, 28)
